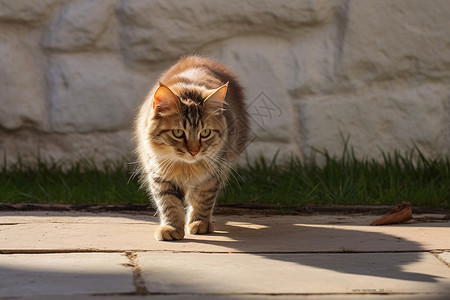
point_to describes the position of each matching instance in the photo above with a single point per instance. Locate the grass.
(80, 183)
(343, 180)
(347, 181)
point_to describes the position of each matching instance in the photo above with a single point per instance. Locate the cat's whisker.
(170, 167)
(165, 166)
(218, 172)
(135, 173)
(213, 171)
(230, 169)
(221, 172)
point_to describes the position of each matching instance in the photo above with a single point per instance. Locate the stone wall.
(72, 73)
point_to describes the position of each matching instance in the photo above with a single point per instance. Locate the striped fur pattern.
(190, 130)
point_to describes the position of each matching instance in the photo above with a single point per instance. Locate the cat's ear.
(217, 98)
(164, 98)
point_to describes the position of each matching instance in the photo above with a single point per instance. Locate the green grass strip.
(80, 183)
(343, 180)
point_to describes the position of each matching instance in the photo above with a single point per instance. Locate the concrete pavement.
(75, 255)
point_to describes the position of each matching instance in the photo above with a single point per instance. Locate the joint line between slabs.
(74, 251)
(138, 278)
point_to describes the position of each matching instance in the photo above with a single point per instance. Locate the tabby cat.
(190, 129)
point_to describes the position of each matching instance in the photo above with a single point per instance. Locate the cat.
(190, 130)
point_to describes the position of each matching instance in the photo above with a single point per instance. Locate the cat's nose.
(193, 152)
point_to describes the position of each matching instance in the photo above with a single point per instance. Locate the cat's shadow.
(349, 251)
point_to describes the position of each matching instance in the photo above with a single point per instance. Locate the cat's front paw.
(169, 233)
(201, 227)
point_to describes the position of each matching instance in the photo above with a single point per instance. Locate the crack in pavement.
(138, 279)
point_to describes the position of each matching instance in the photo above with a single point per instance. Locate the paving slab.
(109, 232)
(294, 273)
(64, 274)
(73, 255)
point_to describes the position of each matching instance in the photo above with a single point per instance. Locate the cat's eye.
(178, 133)
(205, 133)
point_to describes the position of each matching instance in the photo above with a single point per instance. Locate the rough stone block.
(155, 31)
(25, 10)
(317, 56)
(22, 84)
(387, 40)
(81, 24)
(389, 120)
(263, 66)
(29, 145)
(92, 92)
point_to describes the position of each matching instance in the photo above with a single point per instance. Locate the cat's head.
(187, 124)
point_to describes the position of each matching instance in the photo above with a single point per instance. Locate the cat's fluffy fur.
(190, 129)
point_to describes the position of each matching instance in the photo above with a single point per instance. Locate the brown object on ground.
(399, 214)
